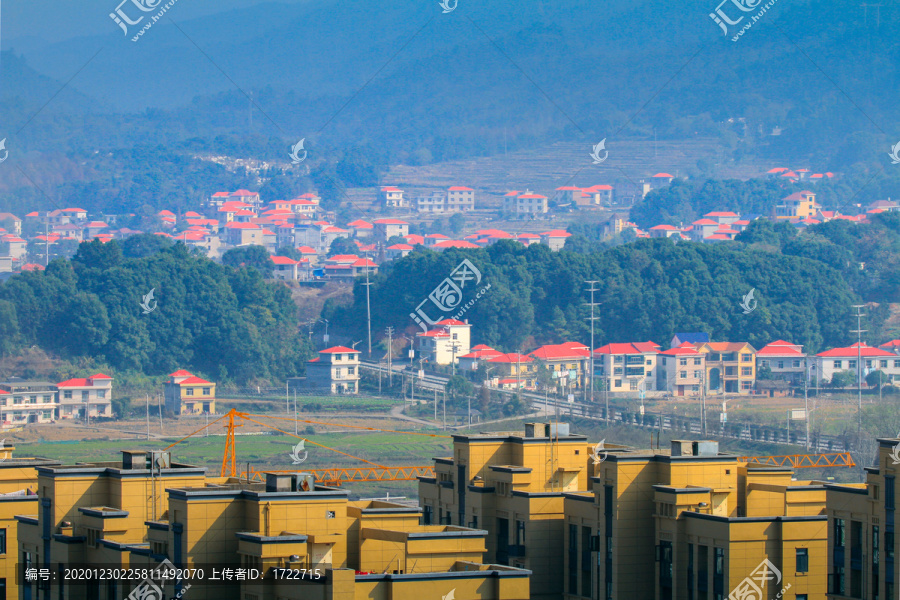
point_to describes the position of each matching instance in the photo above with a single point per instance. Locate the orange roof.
(460, 188)
(628, 348)
(338, 350)
(512, 357)
(557, 233)
(390, 222)
(854, 350)
(283, 260)
(181, 373)
(193, 380)
(455, 244)
(780, 348)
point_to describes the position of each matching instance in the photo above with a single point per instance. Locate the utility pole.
(858, 331)
(703, 403)
(47, 242)
(148, 417)
(390, 352)
(592, 304)
(454, 346)
(806, 396)
(368, 306)
(159, 410)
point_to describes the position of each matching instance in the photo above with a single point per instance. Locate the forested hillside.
(648, 289)
(223, 322)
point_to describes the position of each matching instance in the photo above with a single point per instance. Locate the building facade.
(335, 370)
(185, 393)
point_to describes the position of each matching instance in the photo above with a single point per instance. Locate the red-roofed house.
(28, 402)
(555, 238)
(85, 395)
(627, 367)
(13, 245)
(658, 231)
(730, 367)
(243, 234)
(891, 346)
(528, 238)
(722, 217)
(186, 394)
(392, 197)
(528, 203)
(681, 370)
(513, 371)
(799, 205)
(847, 359)
(433, 238)
(702, 229)
(460, 199)
(414, 239)
(783, 359)
(385, 229)
(599, 195)
(568, 194)
(444, 344)
(336, 370)
(443, 245)
(567, 363)
(286, 269)
(479, 354)
(361, 229)
(397, 251)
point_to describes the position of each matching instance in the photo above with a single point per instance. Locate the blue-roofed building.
(690, 338)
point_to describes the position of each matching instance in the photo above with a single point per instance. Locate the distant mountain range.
(414, 85)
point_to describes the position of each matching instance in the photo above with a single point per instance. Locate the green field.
(271, 452)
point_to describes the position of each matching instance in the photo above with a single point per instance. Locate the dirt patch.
(310, 300)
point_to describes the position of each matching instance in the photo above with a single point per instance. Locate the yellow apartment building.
(862, 545)
(147, 509)
(512, 486)
(694, 524)
(730, 367)
(18, 494)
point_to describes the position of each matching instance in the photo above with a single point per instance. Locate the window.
(207, 391)
(337, 372)
(796, 364)
(2, 401)
(802, 560)
(897, 364)
(696, 361)
(839, 533)
(3, 541)
(633, 384)
(695, 388)
(338, 357)
(617, 371)
(780, 364)
(663, 360)
(573, 559)
(85, 395)
(889, 493)
(682, 374)
(618, 383)
(682, 362)
(746, 357)
(851, 364)
(884, 364)
(837, 364)
(889, 544)
(520, 533)
(32, 399)
(698, 374)
(868, 364)
(427, 514)
(18, 399)
(730, 371)
(690, 571)
(101, 393)
(188, 391)
(746, 371)
(351, 370)
(66, 394)
(48, 399)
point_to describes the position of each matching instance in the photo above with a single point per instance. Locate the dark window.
(665, 570)
(427, 515)
(690, 572)
(520, 533)
(719, 574)
(702, 571)
(802, 560)
(3, 541)
(573, 559)
(586, 583)
(839, 533)
(503, 541)
(889, 493)
(889, 544)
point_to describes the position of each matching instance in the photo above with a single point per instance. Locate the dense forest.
(223, 322)
(648, 289)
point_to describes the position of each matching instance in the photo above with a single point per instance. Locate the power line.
(859, 331)
(390, 351)
(593, 318)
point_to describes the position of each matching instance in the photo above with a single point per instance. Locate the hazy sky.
(58, 20)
